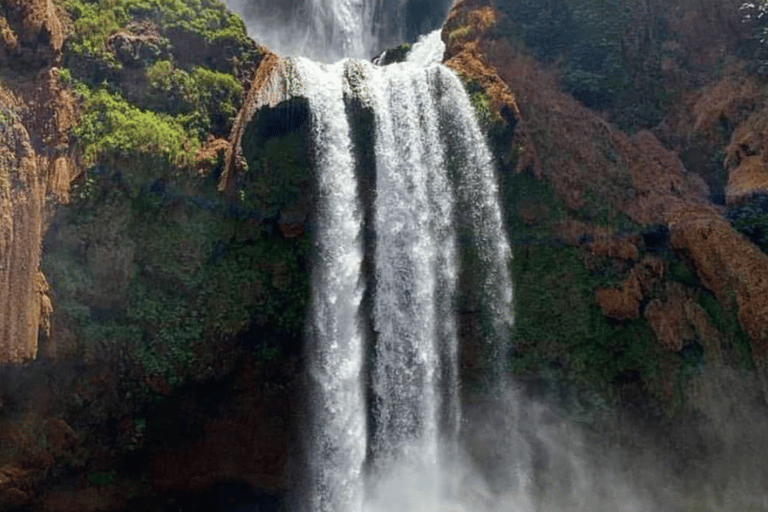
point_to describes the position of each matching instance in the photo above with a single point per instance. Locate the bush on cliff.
(751, 220)
(111, 128)
(93, 21)
(181, 57)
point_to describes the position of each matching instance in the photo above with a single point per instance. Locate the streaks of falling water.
(335, 341)
(434, 177)
(330, 30)
(415, 264)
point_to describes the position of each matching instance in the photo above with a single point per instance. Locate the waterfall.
(434, 178)
(415, 262)
(400, 228)
(335, 340)
(330, 30)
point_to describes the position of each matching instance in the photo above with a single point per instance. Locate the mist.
(522, 451)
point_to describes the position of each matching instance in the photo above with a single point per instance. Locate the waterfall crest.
(330, 30)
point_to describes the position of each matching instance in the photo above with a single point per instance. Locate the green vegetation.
(605, 60)
(396, 54)
(149, 263)
(95, 20)
(184, 58)
(725, 319)
(481, 103)
(498, 130)
(533, 198)
(561, 334)
(102, 478)
(277, 147)
(751, 220)
(458, 34)
(111, 128)
(206, 100)
(174, 279)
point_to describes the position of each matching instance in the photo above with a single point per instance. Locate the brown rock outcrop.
(31, 34)
(16, 486)
(59, 436)
(747, 158)
(583, 156)
(590, 164)
(678, 319)
(22, 196)
(36, 113)
(750, 177)
(621, 302)
(731, 266)
(622, 248)
(138, 44)
(462, 32)
(263, 73)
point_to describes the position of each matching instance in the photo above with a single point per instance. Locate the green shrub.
(102, 478)
(207, 100)
(95, 20)
(112, 129)
(561, 333)
(751, 220)
(725, 319)
(396, 54)
(603, 62)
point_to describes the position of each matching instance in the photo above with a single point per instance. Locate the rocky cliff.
(37, 113)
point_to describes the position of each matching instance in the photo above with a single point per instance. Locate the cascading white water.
(430, 160)
(477, 196)
(335, 340)
(330, 30)
(324, 30)
(433, 179)
(428, 50)
(415, 263)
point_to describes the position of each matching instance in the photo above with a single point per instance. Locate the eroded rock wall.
(35, 168)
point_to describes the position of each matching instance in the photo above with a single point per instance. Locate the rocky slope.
(617, 196)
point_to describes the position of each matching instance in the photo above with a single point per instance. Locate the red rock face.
(623, 301)
(248, 443)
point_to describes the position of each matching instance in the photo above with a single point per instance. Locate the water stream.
(383, 383)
